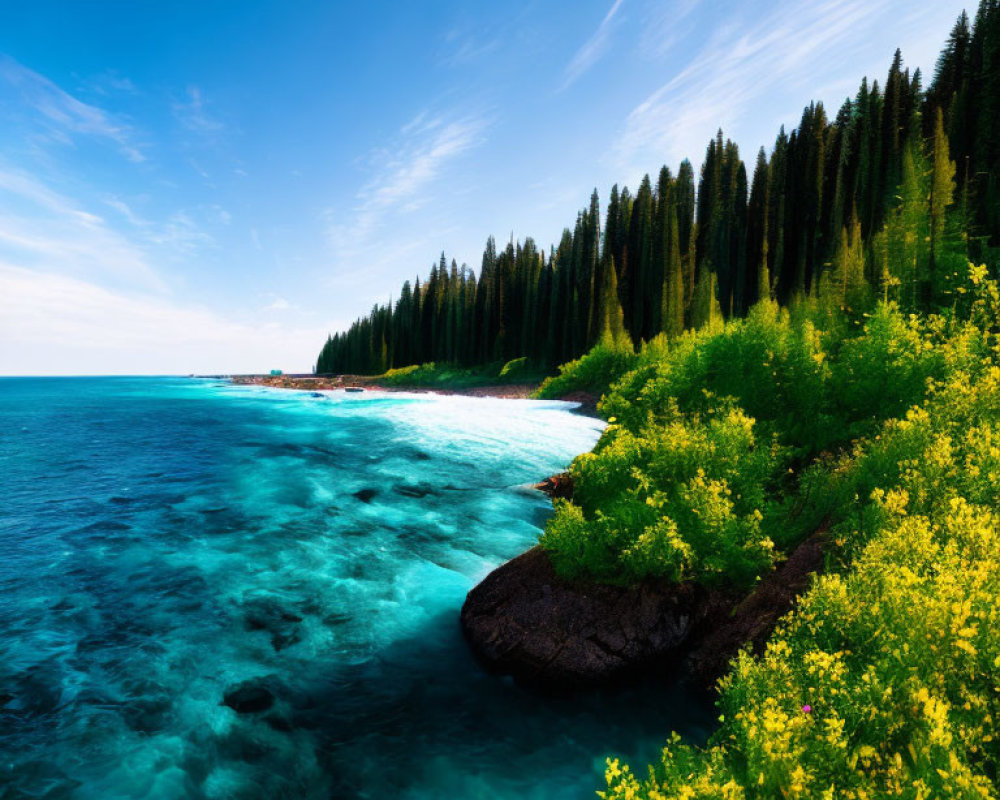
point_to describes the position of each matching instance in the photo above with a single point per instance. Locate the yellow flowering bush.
(885, 679)
(676, 501)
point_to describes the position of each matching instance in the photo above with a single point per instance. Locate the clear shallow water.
(163, 540)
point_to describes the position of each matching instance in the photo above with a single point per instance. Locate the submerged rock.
(525, 621)
(249, 698)
(366, 495)
(266, 614)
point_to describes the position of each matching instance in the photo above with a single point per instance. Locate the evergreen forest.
(887, 197)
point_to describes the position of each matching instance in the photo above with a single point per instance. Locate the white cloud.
(432, 143)
(181, 232)
(110, 82)
(63, 115)
(42, 229)
(58, 325)
(592, 49)
(277, 303)
(664, 25)
(462, 48)
(404, 175)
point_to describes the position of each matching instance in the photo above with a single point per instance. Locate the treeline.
(889, 197)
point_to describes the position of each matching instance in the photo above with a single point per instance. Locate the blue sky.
(215, 186)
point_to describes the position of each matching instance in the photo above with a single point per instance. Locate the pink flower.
(806, 709)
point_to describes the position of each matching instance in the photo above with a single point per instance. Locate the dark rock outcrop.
(557, 486)
(752, 620)
(525, 621)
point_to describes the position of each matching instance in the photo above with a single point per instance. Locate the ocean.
(164, 541)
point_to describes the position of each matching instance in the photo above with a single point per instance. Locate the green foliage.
(882, 681)
(674, 501)
(515, 368)
(593, 372)
(451, 376)
(775, 370)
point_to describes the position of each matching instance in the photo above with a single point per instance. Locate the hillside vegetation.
(885, 680)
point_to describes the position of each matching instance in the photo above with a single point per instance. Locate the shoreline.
(501, 391)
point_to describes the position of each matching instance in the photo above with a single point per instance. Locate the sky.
(213, 187)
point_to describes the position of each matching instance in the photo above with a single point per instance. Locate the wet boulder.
(524, 620)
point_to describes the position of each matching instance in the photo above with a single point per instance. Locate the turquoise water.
(165, 540)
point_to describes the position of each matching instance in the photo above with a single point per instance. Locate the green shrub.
(594, 372)
(775, 371)
(514, 369)
(678, 501)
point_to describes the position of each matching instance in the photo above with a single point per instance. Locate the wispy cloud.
(277, 303)
(405, 211)
(746, 64)
(182, 232)
(664, 25)
(42, 229)
(592, 49)
(463, 47)
(64, 115)
(426, 146)
(194, 115)
(110, 82)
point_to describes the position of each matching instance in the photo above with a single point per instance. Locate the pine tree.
(845, 287)
(942, 193)
(612, 329)
(757, 233)
(673, 284)
(874, 190)
(706, 311)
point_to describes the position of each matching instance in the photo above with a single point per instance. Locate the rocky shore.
(506, 391)
(525, 621)
(511, 391)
